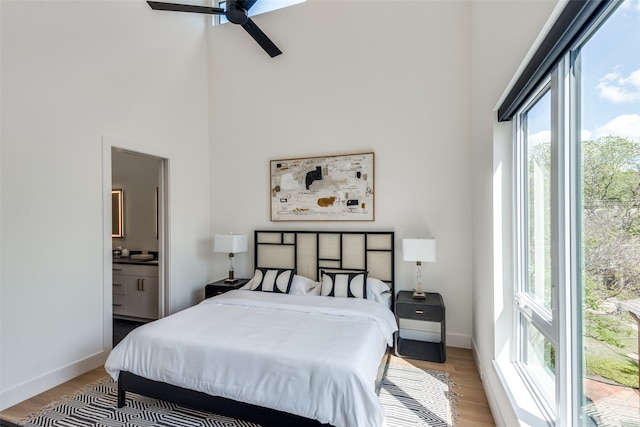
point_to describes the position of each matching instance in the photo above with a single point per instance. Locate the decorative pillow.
(302, 285)
(272, 280)
(345, 285)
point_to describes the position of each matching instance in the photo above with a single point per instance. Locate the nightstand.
(430, 309)
(220, 287)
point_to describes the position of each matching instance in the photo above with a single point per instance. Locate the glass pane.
(538, 137)
(609, 73)
(539, 358)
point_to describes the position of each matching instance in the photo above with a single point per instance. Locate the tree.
(611, 221)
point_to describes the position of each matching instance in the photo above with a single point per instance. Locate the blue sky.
(610, 81)
(611, 76)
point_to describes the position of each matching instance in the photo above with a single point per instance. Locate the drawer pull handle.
(117, 284)
(117, 269)
(419, 311)
(117, 305)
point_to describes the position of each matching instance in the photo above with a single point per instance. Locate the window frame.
(526, 307)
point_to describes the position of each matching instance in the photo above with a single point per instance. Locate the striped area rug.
(416, 397)
(410, 397)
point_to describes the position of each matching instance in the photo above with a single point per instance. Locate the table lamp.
(231, 244)
(419, 250)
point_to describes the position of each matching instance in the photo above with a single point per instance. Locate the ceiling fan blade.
(261, 38)
(174, 7)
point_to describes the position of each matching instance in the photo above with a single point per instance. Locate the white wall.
(355, 76)
(503, 32)
(73, 72)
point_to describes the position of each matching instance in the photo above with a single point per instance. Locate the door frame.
(164, 255)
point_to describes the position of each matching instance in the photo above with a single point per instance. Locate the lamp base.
(419, 295)
(231, 278)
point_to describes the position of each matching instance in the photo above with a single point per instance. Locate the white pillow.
(378, 291)
(303, 286)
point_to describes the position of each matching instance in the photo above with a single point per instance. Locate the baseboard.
(458, 340)
(33, 387)
(498, 418)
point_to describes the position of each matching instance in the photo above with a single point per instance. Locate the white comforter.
(307, 355)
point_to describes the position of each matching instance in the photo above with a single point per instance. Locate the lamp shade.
(419, 250)
(230, 243)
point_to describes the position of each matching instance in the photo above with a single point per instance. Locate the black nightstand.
(220, 287)
(430, 309)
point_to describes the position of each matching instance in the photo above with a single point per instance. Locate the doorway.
(136, 256)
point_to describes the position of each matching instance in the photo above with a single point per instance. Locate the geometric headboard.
(311, 251)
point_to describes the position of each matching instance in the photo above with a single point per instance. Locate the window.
(534, 292)
(261, 6)
(577, 281)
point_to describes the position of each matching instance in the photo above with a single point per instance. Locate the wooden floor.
(473, 409)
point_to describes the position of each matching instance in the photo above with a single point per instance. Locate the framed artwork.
(330, 188)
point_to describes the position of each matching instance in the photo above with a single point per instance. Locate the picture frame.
(323, 188)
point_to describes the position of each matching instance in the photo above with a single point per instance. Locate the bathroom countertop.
(135, 261)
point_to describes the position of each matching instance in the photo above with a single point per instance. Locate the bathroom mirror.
(117, 210)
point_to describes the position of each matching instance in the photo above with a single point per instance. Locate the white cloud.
(618, 88)
(537, 138)
(626, 125)
(630, 5)
(545, 136)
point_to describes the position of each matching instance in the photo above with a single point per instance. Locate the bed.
(282, 351)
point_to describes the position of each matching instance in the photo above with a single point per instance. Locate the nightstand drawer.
(419, 312)
(213, 291)
(220, 287)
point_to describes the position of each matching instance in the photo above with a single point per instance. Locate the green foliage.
(591, 298)
(624, 373)
(611, 167)
(611, 246)
(611, 222)
(605, 328)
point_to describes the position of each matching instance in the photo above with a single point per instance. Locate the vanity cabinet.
(135, 291)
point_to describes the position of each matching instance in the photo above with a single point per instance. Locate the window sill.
(523, 402)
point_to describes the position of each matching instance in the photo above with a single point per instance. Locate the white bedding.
(313, 356)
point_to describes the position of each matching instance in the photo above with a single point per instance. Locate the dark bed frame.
(308, 252)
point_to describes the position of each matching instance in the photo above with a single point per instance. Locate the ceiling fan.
(236, 13)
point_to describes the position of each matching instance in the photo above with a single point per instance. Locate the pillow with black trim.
(272, 280)
(344, 285)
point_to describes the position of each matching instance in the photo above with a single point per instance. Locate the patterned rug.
(410, 397)
(417, 397)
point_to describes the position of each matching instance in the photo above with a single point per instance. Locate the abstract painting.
(330, 188)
